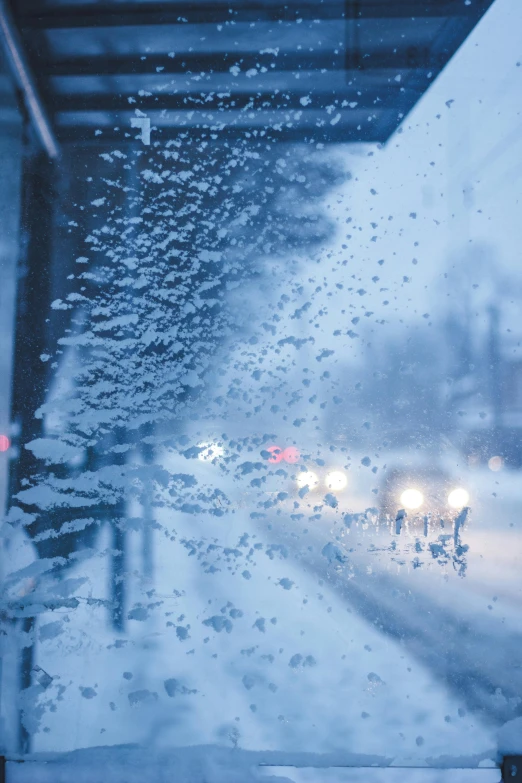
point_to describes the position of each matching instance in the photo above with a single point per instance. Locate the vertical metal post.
(512, 769)
(118, 563)
(30, 373)
(26, 666)
(118, 578)
(33, 299)
(147, 452)
(495, 369)
(352, 45)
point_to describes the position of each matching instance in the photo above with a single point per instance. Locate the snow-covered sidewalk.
(235, 643)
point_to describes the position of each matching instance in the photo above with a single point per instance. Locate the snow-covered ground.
(236, 641)
(250, 633)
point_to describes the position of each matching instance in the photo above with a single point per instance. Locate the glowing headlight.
(307, 479)
(412, 498)
(458, 498)
(336, 480)
(210, 451)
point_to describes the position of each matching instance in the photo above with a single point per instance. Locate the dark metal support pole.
(147, 452)
(495, 367)
(33, 300)
(118, 576)
(512, 769)
(30, 374)
(26, 666)
(118, 562)
(34, 285)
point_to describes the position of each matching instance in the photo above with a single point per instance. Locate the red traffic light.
(4, 442)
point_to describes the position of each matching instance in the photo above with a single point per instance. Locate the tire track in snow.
(471, 656)
(472, 660)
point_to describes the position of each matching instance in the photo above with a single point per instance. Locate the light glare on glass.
(210, 451)
(336, 480)
(412, 498)
(307, 479)
(458, 498)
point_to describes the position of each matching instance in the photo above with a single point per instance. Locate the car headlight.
(458, 498)
(412, 498)
(336, 480)
(307, 479)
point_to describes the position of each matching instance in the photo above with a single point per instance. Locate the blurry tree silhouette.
(175, 231)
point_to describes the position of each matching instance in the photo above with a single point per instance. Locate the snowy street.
(260, 391)
(257, 634)
(464, 625)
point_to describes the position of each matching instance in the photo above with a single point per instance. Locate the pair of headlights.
(335, 481)
(413, 499)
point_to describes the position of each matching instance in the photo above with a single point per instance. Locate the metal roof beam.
(371, 133)
(219, 12)
(217, 62)
(229, 100)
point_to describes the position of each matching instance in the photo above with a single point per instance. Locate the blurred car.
(320, 480)
(421, 491)
(304, 478)
(497, 447)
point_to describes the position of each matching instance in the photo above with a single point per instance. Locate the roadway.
(458, 611)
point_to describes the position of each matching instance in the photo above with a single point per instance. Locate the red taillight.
(4, 442)
(276, 454)
(290, 454)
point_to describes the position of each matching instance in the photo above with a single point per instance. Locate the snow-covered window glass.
(266, 436)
